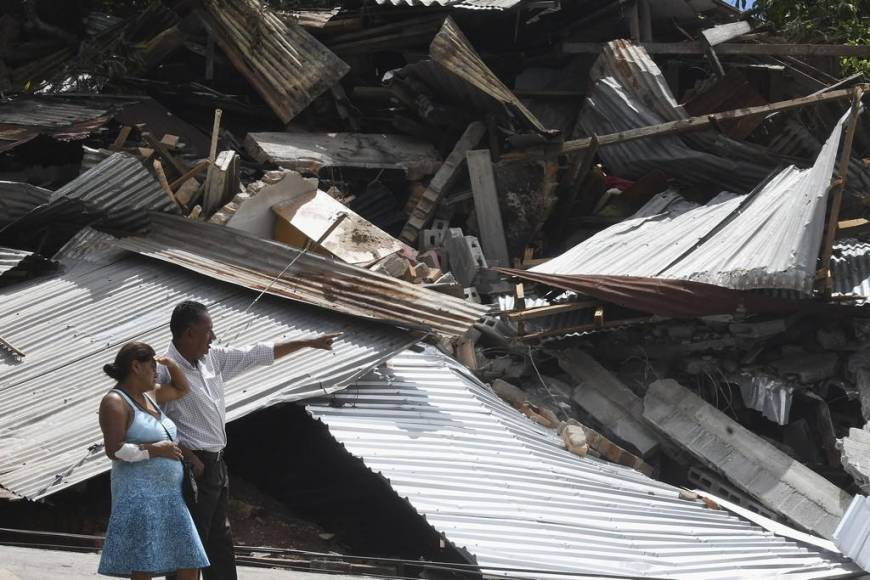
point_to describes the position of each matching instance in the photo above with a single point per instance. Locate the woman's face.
(144, 372)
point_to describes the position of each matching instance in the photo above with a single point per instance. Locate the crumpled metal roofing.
(284, 63)
(853, 532)
(850, 268)
(629, 91)
(62, 118)
(795, 139)
(117, 191)
(18, 199)
(452, 50)
(767, 239)
(234, 256)
(498, 5)
(68, 326)
(505, 490)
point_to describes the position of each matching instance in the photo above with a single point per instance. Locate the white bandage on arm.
(131, 453)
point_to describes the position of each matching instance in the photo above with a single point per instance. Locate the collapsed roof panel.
(284, 63)
(452, 50)
(507, 492)
(850, 265)
(233, 256)
(70, 325)
(628, 91)
(18, 199)
(497, 5)
(768, 239)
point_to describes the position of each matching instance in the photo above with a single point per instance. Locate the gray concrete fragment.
(779, 482)
(609, 401)
(855, 456)
(464, 256)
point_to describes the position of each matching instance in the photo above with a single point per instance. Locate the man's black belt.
(209, 456)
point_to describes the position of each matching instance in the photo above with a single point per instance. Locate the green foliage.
(826, 21)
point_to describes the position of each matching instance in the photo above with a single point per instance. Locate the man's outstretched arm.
(323, 342)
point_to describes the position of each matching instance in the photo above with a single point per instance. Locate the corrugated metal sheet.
(795, 139)
(497, 5)
(850, 268)
(629, 91)
(767, 239)
(118, 191)
(48, 113)
(284, 63)
(454, 52)
(505, 490)
(234, 256)
(853, 532)
(72, 324)
(18, 199)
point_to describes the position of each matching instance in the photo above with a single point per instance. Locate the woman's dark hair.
(185, 315)
(131, 351)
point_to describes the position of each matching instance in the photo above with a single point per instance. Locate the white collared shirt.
(201, 415)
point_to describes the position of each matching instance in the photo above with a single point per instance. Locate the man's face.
(200, 336)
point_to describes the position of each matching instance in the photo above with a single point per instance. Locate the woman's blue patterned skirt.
(150, 529)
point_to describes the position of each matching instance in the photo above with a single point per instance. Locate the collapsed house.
(585, 258)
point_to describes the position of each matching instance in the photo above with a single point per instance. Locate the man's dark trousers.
(210, 516)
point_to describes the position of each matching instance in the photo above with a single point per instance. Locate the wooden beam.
(725, 32)
(163, 151)
(692, 123)
(161, 177)
(486, 207)
(195, 170)
(542, 311)
(444, 178)
(837, 191)
(856, 227)
(732, 49)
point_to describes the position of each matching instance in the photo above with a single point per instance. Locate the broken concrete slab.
(311, 152)
(781, 483)
(609, 401)
(355, 240)
(251, 211)
(855, 456)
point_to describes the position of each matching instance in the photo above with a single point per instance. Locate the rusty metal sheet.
(283, 62)
(452, 50)
(672, 298)
(239, 258)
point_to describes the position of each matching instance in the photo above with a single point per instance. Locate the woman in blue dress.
(151, 532)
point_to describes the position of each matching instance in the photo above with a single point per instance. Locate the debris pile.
(643, 225)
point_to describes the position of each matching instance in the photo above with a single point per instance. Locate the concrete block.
(609, 401)
(779, 482)
(464, 255)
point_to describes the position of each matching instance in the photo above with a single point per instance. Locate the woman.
(151, 532)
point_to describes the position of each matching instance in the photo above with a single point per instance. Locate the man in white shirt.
(201, 418)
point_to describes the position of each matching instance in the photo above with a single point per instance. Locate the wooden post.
(486, 207)
(212, 151)
(836, 191)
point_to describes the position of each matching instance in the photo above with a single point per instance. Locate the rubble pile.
(643, 224)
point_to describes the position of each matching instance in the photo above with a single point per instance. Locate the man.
(201, 418)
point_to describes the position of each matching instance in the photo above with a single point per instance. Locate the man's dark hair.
(185, 315)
